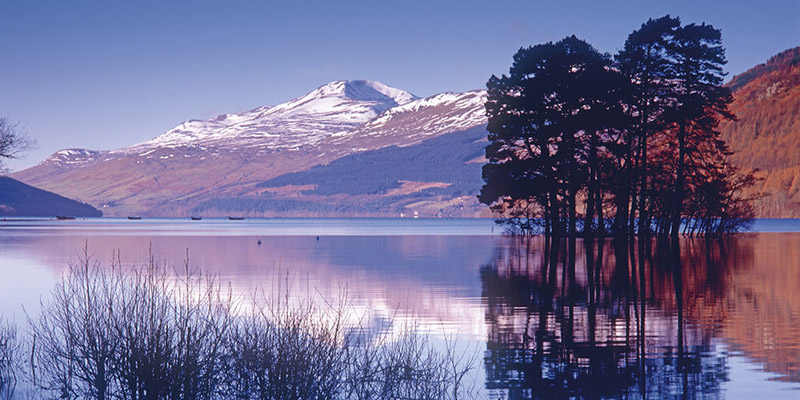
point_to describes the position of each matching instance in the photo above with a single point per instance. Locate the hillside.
(385, 182)
(767, 134)
(215, 166)
(20, 200)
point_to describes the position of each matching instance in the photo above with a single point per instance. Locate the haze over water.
(536, 335)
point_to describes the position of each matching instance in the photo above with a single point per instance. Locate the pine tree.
(546, 125)
(568, 127)
(701, 100)
(646, 63)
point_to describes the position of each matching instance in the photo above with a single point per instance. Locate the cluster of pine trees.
(583, 142)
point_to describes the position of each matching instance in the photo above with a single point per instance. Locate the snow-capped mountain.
(69, 157)
(331, 110)
(228, 156)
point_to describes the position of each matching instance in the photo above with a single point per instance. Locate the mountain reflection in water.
(609, 330)
(615, 328)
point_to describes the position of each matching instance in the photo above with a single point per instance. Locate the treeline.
(271, 204)
(109, 333)
(629, 145)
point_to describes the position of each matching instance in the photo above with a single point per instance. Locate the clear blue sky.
(107, 74)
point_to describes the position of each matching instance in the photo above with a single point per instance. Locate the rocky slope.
(191, 167)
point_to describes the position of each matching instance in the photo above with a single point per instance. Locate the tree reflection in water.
(608, 322)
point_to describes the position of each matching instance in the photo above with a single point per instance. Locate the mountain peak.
(335, 108)
(375, 95)
(363, 90)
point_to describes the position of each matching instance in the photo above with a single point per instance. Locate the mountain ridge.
(229, 155)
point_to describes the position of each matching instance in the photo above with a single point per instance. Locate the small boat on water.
(63, 217)
(130, 217)
(196, 218)
(235, 218)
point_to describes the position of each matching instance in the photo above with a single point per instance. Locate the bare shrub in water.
(308, 351)
(139, 334)
(172, 335)
(408, 367)
(74, 345)
(285, 351)
(9, 359)
(145, 334)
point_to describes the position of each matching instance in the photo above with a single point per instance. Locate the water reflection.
(429, 279)
(638, 320)
(607, 324)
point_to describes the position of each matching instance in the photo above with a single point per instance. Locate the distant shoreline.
(335, 226)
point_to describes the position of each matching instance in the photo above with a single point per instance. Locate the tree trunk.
(601, 224)
(644, 227)
(677, 201)
(572, 235)
(588, 218)
(593, 191)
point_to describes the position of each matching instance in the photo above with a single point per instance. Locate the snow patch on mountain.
(339, 118)
(72, 157)
(333, 109)
(470, 102)
(428, 117)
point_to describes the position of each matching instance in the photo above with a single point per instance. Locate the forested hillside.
(767, 134)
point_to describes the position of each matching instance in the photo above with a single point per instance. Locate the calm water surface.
(605, 328)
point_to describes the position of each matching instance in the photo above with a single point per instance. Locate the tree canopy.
(632, 142)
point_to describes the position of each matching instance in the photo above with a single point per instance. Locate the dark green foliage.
(645, 62)
(548, 120)
(700, 102)
(19, 199)
(638, 138)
